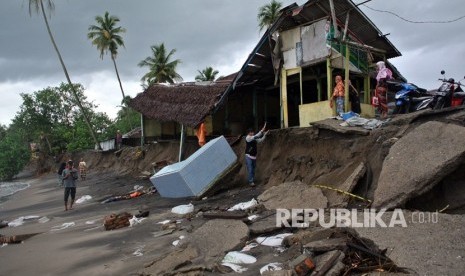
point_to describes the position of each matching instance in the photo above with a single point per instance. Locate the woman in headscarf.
(383, 75)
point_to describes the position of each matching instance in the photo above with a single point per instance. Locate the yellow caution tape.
(342, 192)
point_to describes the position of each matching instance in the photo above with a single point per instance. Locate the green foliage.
(105, 35)
(268, 14)
(161, 69)
(14, 154)
(53, 120)
(207, 74)
(2, 131)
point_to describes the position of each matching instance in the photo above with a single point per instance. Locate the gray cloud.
(204, 32)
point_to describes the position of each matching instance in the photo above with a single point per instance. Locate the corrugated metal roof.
(360, 27)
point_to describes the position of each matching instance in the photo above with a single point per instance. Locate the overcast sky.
(217, 33)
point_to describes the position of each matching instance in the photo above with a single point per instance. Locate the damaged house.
(287, 80)
(301, 53)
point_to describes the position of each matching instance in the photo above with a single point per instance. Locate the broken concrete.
(329, 263)
(264, 226)
(277, 273)
(203, 248)
(293, 195)
(302, 265)
(307, 236)
(225, 215)
(333, 125)
(172, 261)
(337, 199)
(218, 236)
(327, 245)
(401, 180)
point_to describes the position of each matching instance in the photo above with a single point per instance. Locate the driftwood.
(16, 238)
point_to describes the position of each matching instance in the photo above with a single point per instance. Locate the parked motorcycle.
(409, 97)
(448, 94)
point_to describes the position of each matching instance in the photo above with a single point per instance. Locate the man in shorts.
(70, 176)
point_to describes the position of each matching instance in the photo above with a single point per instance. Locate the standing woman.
(383, 75)
(338, 95)
(83, 169)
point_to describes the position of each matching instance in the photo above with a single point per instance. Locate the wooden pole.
(181, 142)
(333, 15)
(329, 78)
(284, 98)
(346, 86)
(142, 131)
(346, 26)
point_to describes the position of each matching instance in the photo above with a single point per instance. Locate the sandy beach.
(84, 248)
(74, 242)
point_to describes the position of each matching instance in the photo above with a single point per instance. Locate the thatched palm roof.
(185, 103)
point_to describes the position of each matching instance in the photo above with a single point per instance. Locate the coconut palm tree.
(106, 36)
(207, 74)
(161, 69)
(267, 14)
(38, 6)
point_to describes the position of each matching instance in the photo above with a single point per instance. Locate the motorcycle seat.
(459, 94)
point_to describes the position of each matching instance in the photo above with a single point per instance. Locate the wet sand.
(85, 248)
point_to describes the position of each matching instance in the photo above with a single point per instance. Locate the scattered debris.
(235, 257)
(176, 242)
(43, 220)
(145, 175)
(253, 217)
(162, 233)
(249, 246)
(116, 221)
(135, 220)
(235, 267)
(142, 214)
(164, 222)
(138, 252)
(138, 191)
(63, 226)
(21, 220)
(83, 199)
(244, 205)
(272, 240)
(183, 209)
(330, 263)
(302, 265)
(16, 238)
(3, 224)
(271, 267)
